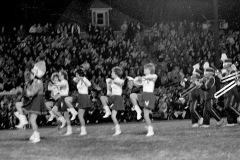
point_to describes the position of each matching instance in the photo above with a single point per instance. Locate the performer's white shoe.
(52, 116)
(238, 119)
(150, 131)
(73, 112)
(17, 114)
(35, 138)
(200, 121)
(117, 130)
(229, 125)
(219, 123)
(63, 121)
(205, 126)
(69, 131)
(32, 137)
(195, 125)
(83, 131)
(108, 112)
(139, 112)
(22, 121)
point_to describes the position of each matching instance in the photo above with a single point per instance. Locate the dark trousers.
(231, 111)
(195, 116)
(209, 111)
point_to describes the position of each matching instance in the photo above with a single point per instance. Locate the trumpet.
(225, 89)
(230, 77)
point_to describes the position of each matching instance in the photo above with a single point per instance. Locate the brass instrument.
(5, 93)
(188, 90)
(234, 77)
(225, 89)
(194, 86)
(230, 77)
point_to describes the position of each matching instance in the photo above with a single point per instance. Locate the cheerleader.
(37, 105)
(114, 93)
(54, 96)
(61, 106)
(147, 98)
(82, 99)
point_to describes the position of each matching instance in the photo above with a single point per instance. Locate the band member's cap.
(206, 65)
(196, 69)
(234, 67)
(197, 72)
(39, 69)
(208, 69)
(225, 59)
(196, 66)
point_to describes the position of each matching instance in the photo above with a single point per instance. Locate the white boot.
(16, 114)
(36, 138)
(73, 112)
(22, 121)
(117, 130)
(219, 123)
(52, 116)
(32, 136)
(205, 126)
(63, 121)
(83, 131)
(200, 121)
(195, 125)
(150, 131)
(238, 119)
(108, 112)
(139, 112)
(69, 131)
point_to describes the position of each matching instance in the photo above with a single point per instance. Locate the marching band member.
(195, 96)
(208, 86)
(231, 98)
(37, 104)
(115, 98)
(82, 98)
(147, 98)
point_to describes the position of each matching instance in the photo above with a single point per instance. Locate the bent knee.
(19, 104)
(133, 96)
(103, 98)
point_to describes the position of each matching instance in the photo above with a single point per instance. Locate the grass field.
(173, 140)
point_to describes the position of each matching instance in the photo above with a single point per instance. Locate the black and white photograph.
(120, 80)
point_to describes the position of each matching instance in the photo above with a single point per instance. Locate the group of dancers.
(60, 103)
(204, 88)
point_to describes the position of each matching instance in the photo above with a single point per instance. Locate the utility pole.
(216, 34)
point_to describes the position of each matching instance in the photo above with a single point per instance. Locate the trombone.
(188, 90)
(191, 88)
(234, 76)
(230, 77)
(225, 89)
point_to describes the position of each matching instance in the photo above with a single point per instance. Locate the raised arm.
(37, 86)
(86, 81)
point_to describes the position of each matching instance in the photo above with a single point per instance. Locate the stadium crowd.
(174, 47)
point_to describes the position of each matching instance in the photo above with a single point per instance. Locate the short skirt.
(147, 100)
(117, 102)
(83, 101)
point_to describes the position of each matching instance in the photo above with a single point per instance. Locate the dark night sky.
(14, 12)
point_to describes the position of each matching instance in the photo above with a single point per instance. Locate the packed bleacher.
(173, 47)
